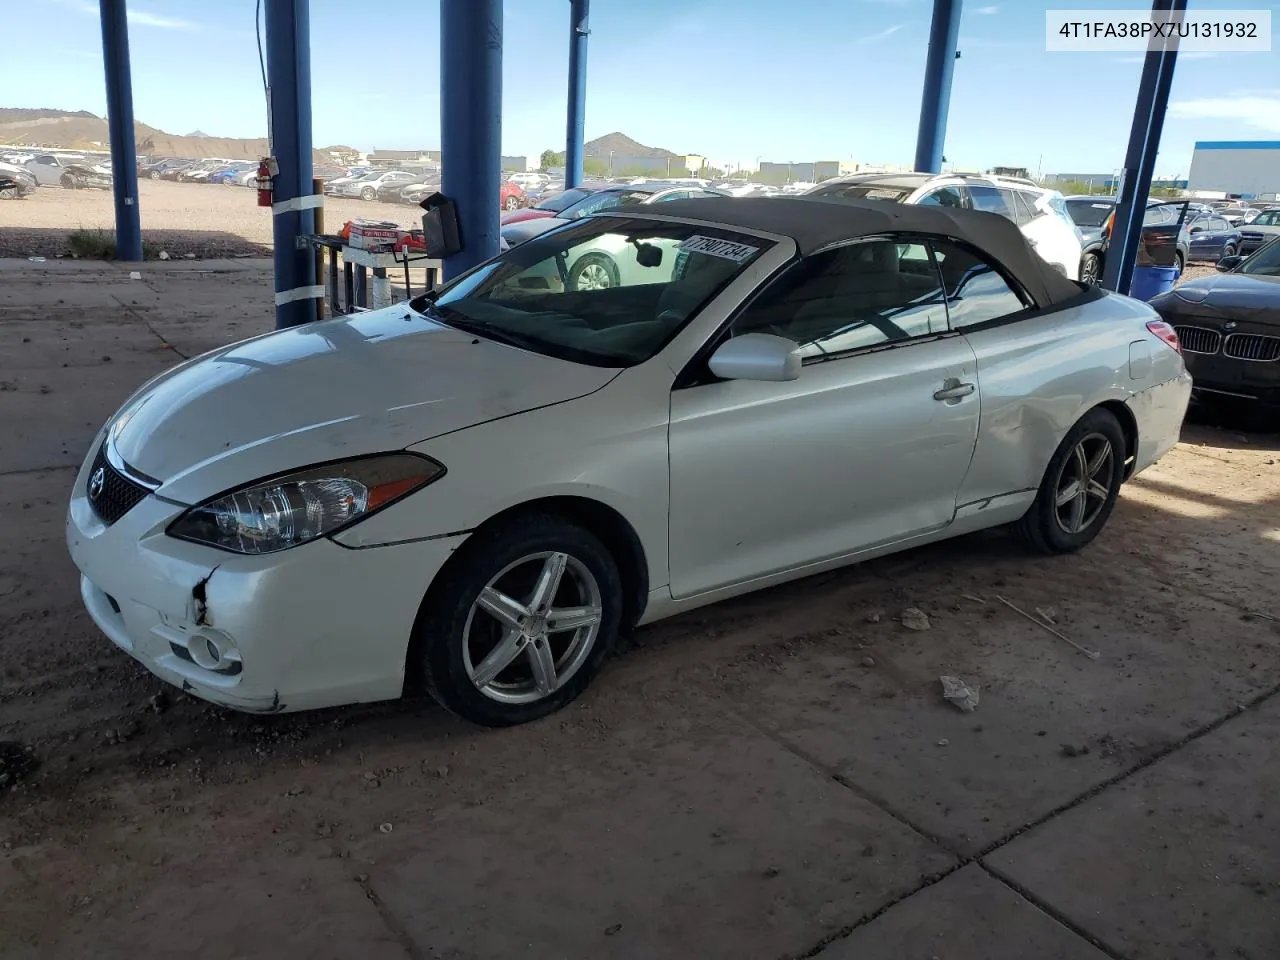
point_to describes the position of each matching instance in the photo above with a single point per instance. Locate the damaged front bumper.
(315, 626)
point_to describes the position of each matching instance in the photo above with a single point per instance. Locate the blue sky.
(729, 79)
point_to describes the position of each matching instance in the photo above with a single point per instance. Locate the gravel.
(203, 220)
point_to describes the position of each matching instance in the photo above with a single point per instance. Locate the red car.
(548, 206)
(511, 196)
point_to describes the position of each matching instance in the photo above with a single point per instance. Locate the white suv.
(1039, 213)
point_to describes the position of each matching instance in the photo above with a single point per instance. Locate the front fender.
(609, 447)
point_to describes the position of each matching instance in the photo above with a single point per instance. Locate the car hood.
(528, 213)
(372, 382)
(1234, 292)
(515, 233)
(1260, 228)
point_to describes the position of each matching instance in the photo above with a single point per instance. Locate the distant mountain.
(197, 133)
(621, 145)
(82, 130)
(11, 114)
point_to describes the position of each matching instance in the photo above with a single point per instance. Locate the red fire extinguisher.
(267, 170)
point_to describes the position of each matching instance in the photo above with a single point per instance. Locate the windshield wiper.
(487, 329)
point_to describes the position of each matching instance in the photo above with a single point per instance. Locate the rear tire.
(1180, 262)
(459, 641)
(1079, 488)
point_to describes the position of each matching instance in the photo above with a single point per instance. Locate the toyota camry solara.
(477, 491)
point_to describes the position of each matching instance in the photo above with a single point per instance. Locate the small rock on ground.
(914, 619)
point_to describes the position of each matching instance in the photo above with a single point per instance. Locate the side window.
(1017, 211)
(990, 200)
(1217, 224)
(47, 159)
(860, 295)
(1025, 205)
(942, 197)
(976, 292)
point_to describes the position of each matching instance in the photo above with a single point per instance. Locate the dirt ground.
(207, 220)
(772, 777)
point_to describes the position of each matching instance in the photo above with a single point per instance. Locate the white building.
(1236, 168)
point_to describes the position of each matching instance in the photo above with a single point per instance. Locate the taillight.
(1165, 333)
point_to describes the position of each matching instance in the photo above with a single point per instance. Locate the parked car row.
(70, 170)
(1174, 232)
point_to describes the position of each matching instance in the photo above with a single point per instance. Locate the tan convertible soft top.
(814, 223)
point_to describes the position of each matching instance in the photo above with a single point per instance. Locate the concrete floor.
(772, 777)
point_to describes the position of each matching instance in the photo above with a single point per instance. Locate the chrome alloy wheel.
(523, 650)
(1084, 484)
(593, 277)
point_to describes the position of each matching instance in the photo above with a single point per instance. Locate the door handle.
(954, 391)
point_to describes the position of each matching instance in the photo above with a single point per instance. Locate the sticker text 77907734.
(715, 247)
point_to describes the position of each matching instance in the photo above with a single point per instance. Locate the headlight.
(289, 510)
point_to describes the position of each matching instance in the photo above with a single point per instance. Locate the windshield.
(1264, 263)
(1268, 218)
(610, 291)
(1089, 213)
(563, 200)
(605, 200)
(865, 191)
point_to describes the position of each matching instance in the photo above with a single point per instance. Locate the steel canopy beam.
(124, 152)
(579, 10)
(936, 99)
(288, 24)
(471, 124)
(1140, 158)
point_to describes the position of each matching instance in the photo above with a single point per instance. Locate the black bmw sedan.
(1229, 325)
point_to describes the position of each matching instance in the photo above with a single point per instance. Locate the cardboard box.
(374, 234)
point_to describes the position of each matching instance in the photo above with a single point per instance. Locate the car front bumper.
(314, 626)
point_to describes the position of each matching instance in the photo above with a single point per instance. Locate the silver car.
(479, 490)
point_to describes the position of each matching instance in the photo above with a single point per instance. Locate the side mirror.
(1197, 229)
(757, 356)
(1227, 264)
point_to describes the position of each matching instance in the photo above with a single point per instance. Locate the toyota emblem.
(95, 483)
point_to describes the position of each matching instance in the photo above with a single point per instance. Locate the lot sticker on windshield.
(715, 247)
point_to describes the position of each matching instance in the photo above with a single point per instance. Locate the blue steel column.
(471, 124)
(579, 10)
(124, 152)
(944, 34)
(1140, 158)
(289, 79)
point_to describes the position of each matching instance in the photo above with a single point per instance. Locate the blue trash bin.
(1150, 282)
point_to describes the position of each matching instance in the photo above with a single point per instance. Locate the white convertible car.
(476, 491)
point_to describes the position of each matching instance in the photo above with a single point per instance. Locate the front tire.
(1180, 262)
(595, 271)
(368, 193)
(1091, 269)
(1079, 488)
(1229, 250)
(519, 622)
(510, 203)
